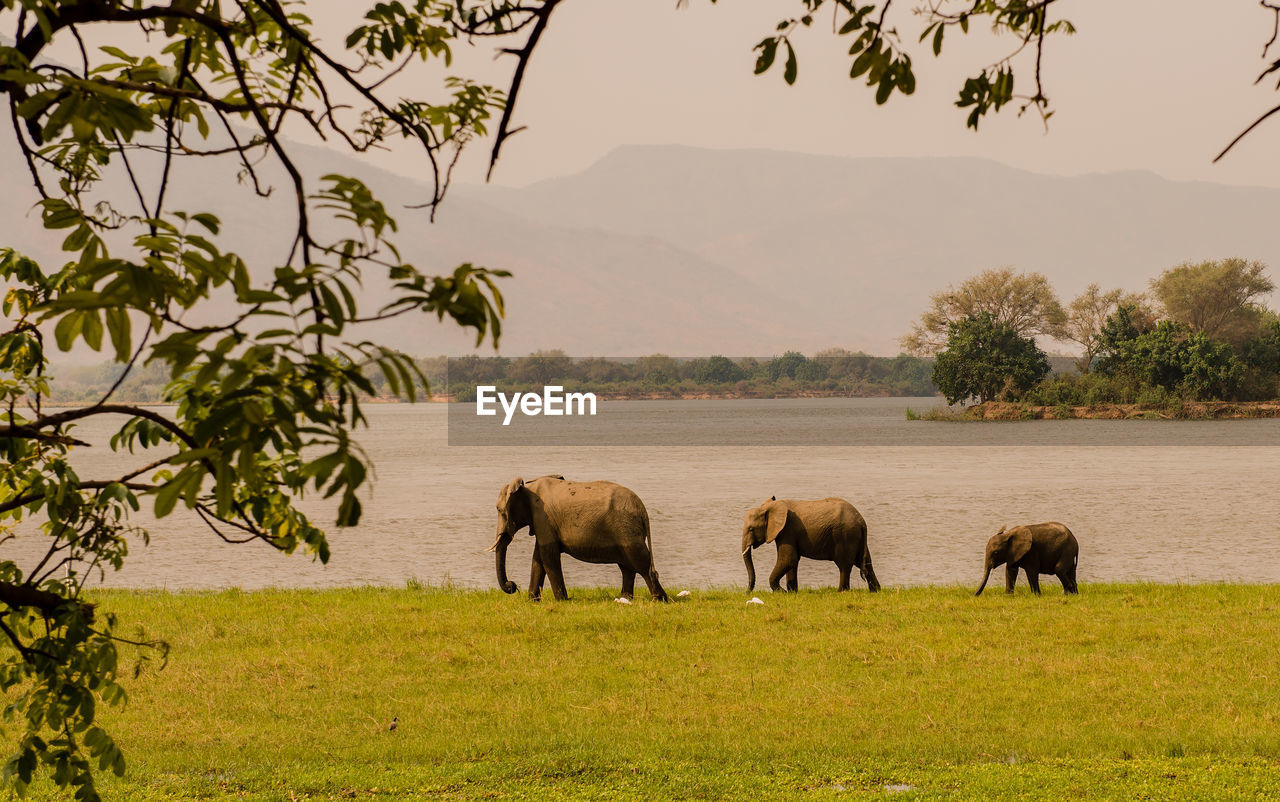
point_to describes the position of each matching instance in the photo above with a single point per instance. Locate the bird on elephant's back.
(1044, 548)
(596, 522)
(821, 529)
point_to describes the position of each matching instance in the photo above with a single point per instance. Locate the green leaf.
(885, 89)
(68, 329)
(120, 328)
(789, 72)
(167, 498)
(768, 51)
(862, 63)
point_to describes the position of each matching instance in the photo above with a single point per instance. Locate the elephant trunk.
(500, 561)
(985, 577)
(751, 569)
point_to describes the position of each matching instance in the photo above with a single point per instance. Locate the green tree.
(811, 370)
(470, 370)
(720, 370)
(1088, 313)
(842, 363)
(1173, 357)
(784, 366)
(657, 370)
(1262, 359)
(1263, 352)
(911, 375)
(268, 397)
(987, 359)
(1023, 301)
(599, 369)
(1219, 298)
(542, 368)
(1118, 336)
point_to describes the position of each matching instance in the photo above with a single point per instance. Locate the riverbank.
(1161, 691)
(1178, 410)
(676, 394)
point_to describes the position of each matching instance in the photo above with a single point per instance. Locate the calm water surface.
(1208, 511)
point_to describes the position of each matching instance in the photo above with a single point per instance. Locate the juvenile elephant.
(1047, 548)
(596, 522)
(825, 529)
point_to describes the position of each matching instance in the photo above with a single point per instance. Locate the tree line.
(833, 371)
(1201, 331)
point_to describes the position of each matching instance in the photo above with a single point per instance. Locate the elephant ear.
(1019, 543)
(510, 490)
(778, 513)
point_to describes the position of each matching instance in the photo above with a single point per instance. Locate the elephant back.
(593, 505)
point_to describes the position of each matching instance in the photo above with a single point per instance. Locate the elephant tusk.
(744, 551)
(495, 544)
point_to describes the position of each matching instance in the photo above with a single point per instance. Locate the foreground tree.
(987, 360)
(1025, 302)
(1219, 298)
(267, 398)
(1022, 31)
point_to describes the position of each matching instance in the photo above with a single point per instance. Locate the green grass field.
(1126, 691)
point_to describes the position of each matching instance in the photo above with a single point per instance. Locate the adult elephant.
(596, 522)
(825, 529)
(1047, 548)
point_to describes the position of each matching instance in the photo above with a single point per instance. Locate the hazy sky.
(1158, 85)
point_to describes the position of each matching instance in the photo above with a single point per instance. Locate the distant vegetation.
(833, 372)
(1201, 333)
(86, 384)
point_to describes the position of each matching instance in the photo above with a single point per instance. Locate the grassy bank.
(1123, 691)
(1170, 410)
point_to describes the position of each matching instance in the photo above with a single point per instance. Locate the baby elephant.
(1047, 548)
(826, 529)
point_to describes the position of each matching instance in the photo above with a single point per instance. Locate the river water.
(1148, 500)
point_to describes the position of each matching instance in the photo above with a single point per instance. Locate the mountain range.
(691, 251)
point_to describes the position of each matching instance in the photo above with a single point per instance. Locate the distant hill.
(861, 243)
(695, 252)
(588, 292)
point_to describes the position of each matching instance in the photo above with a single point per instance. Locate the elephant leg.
(845, 570)
(788, 560)
(1068, 579)
(550, 557)
(655, 587)
(1010, 576)
(628, 581)
(793, 583)
(640, 561)
(535, 578)
(868, 572)
(1033, 580)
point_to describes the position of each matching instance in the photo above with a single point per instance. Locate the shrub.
(986, 360)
